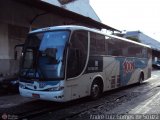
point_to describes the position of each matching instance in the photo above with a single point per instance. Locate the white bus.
(64, 63)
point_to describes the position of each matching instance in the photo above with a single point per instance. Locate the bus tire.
(141, 78)
(96, 89)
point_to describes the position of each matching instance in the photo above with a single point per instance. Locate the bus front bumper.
(57, 96)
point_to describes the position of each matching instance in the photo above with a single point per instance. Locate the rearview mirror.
(15, 50)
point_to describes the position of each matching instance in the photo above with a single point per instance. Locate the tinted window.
(77, 54)
(134, 51)
(104, 45)
(97, 44)
(115, 47)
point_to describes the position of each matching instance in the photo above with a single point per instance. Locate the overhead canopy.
(65, 13)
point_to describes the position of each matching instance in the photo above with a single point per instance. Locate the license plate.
(36, 95)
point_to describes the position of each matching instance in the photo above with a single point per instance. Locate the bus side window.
(97, 44)
(77, 54)
(114, 47)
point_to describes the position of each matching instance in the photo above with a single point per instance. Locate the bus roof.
(76, 27)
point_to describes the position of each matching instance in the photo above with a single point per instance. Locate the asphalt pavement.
(136, 102)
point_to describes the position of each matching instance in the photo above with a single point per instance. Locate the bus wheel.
(96, 90)
(141, 78)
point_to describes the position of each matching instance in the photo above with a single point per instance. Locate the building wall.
(14, 25)
(4, 48)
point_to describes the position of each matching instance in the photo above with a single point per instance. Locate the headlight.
(58, 88)
(158, 65)
(15, 82)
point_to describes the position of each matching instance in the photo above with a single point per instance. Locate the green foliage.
(133, 39)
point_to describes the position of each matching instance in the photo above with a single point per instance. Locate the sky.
(130, 15)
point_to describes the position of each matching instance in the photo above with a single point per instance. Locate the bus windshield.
(44, 55)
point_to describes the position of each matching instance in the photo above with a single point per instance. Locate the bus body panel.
(79, 87)
(111, 76)
(115, 71)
